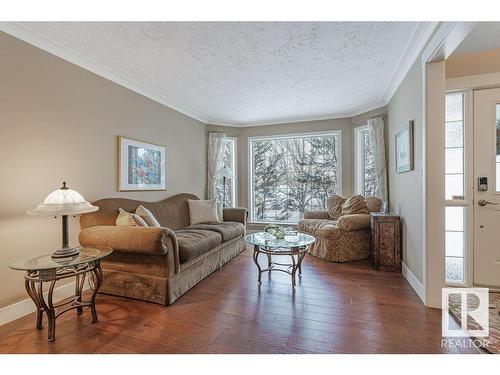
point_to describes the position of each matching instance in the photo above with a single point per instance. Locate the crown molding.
(29, 36)
(416, 44)
(291, 120)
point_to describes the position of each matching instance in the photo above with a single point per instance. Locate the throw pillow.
(203, 211)
(220, 211)
(334, 206)
(126, 219)
(147, 216)
(355, 204)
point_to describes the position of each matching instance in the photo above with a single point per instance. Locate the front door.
(487, 187)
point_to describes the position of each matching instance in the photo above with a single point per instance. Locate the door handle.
(484, 202)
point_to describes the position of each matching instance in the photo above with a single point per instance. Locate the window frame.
(335, 132)
(466, 203)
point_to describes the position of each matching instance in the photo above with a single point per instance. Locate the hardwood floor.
(336, 308)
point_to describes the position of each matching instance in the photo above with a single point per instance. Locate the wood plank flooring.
(335, 308)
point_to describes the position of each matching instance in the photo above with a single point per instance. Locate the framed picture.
(404, 148)
(141, 165)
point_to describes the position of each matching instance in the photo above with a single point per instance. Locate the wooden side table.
(45, 269)
(386, 241)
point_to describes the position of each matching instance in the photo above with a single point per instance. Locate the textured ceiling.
(240, 73)
(485, 36)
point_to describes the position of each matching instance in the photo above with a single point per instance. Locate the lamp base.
(65, 252)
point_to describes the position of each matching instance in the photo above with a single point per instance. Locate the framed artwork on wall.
(141, 165)
(404, 148)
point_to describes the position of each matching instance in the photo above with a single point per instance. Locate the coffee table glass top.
(45, 262)
(268, 240)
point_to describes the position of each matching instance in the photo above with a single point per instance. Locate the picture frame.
(141, 166)
(404, 148)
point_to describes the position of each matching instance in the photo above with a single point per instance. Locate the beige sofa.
(340, 238)
(159, 264)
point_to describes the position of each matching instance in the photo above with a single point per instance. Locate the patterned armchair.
(340, 237)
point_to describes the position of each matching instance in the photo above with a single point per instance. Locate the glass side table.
(44, 269)
(265, 243)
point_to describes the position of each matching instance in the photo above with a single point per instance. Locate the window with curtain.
(366, 178)
(292, 174)
(229, 161)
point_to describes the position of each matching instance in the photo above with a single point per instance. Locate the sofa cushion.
(320, 228)
(203, 211)
(194, 242)
(147, 216)
(227, 229)
(127, 219)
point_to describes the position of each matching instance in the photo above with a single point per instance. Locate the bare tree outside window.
(292, 175)
(370, 175)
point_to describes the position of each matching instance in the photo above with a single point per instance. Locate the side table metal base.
(34, 281)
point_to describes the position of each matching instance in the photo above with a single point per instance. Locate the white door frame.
(445, 40)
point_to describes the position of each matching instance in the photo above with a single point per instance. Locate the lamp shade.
(63, 201)
(225, 172)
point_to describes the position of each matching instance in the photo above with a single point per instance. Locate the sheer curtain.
(376, 133)
(215, 161)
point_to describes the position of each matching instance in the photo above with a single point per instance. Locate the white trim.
(417, 42)
(478, 81)
(415, 283)
(419, 38)
(446, 39)
(29, 36)
(336, 132)
(19, 309)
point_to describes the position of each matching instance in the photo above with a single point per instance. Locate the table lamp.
(63, 202)
(225, 173)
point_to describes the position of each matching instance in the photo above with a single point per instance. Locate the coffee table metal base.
(295, 253)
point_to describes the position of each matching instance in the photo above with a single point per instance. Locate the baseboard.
(27, 306)
(414, 282)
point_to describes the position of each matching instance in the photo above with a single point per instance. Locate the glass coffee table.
(294, 247)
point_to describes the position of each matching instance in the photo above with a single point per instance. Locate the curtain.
(215, 162)
(376, 133)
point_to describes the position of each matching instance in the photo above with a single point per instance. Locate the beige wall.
(60, 122)
(473, 63)
(405, 189)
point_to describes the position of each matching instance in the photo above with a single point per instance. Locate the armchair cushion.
(355, 204)
(320, 228)
(354, 222)
(227, 229)
(139, 240)
(316, 214)
(334, 206)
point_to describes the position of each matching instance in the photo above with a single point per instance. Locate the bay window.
(291, 174)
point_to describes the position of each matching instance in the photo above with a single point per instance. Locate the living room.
(162, 172)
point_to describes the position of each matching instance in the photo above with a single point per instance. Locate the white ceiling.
(484, 36)
(243, 73)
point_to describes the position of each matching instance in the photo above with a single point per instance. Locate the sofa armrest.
(138, 240)
(237, 214)
(316, 214)
(354, 222)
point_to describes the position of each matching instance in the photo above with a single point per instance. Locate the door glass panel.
(454, 185)
(498, 148)
(454, 146)
(454, 270)
(455, 244)
(454, 160)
